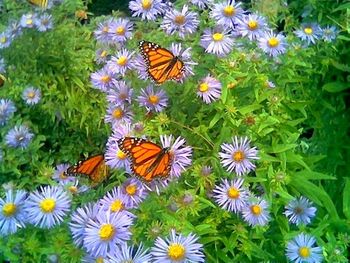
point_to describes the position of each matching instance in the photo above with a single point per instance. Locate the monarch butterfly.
(2, 80)
(162, 65)
(94, 167)
(148, 160)
(40, 3)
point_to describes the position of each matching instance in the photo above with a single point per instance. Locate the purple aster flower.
(116, 201)
(256, 212)
(252, 26)
(94, 259)
(19, 137)
(14, 29)
(153, 100)
(106, 232)
(120, 94)
(12, 214)
(231, 195)
(116, 158)
(121, 62)
(59, 173)
(201, 4)
(300, 211)
(209, 89)
(117, 114)
(120, 131)
(27, 20)
(273, 44)
(309, 32)
(103, 79)
(102, 55)
(31, 96)
(7, 108)
(329, 33)
(181, 155)
(102, 33)
(5, 39)
(184, 22)
(47, 207)
(120, 30)
(44, 22)
(135, 191)
(74, 186)
(217, 41)
(147, 9)
(301, 249)
(177, 248)
(227, 13)
(141, 67)
(130, 254)
(185, 56)
(238, 156)
(79, 220)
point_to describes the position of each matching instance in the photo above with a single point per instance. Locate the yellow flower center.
(218, 36)
(99, 260)
(252, 24)
(73, 189)
(308, 30)
(131, 189)
(180, 19)
(31, 95)
(103, 54)
(3, 39)
(47, 205)
(106, 232)
(121, 155)
(105, 29)
(29, 21)
(146, 4)
(122, 60)
(229, 10)
(238, 156)
(203, 87)
(9, 209)
(62, 176)
(304, 252)
(256, 210)
(153, 99)
(45, 22)
(273, 42)
(120, 30)
(117, 205)
(118, 113)
(298, 210)
(176, 251)
(233, 193)
(105, 79)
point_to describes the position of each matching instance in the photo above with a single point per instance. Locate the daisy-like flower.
(116, 158)
(120, 94)
(141, 67)
(27, 20)
(19, 137)
(272, 44)
(130, 254)
(256, 212)
(15, 29)
(5, 39)
(209, 89)
(217, 41)
(44, 22)
(102, 55)
(120, 30)
(103, 79)
(238, 156)
(74, 187)
(309, 32)
(102, 33)
(7, 108)
(153, 100)
(120, 62)
(227, 13)
(252, 26)
(185, 56)
(135, 191)
(122, 130)
(329, 33)
(177, 248)
(106, 232)
(201, 4)
(300, 211)
(117, 114)
(147, 9)
(231, 195)
(92, 259)
(79, 220)
(31, 95)
(116, 202)
(12, 214)
(184, 22)
(59, 173)
(47, 207)
(181, 155)
(301, 249)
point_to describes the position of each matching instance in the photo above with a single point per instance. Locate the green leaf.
(346, 198)
(336, 86)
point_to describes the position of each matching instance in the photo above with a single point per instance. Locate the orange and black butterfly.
(162, 65)
(148, 160)
(94, 168)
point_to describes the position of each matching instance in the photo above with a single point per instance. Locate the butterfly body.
(148, 160)
(162, 65)
(40, 3)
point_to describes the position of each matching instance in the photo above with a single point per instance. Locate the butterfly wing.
(162, 64)
(148, 160)
(2, 80)
(94, 167)
(40, 3)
